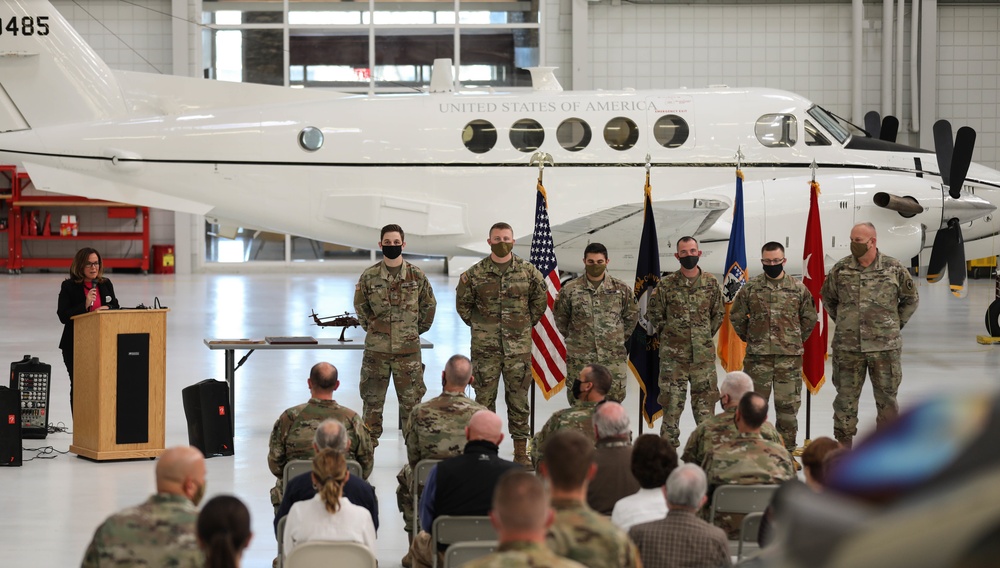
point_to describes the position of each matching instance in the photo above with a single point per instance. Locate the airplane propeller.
(884, 129)
(953, 163)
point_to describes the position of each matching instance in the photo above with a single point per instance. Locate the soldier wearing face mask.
(501, 298)
(774, 314)
(395, 304)
(588, 391)
(686, 309)
(596, 313)
(870, 297)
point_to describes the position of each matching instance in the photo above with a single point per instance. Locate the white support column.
(186, 254)
(928, 71)
(581, 46)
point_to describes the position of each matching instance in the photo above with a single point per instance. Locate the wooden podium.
(119, 364)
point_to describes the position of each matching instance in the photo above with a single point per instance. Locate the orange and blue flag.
(732, 349)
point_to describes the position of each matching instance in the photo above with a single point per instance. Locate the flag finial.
(813, 167)
(739, 157)
(541, 158)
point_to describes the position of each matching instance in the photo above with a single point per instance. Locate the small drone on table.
(343, 321)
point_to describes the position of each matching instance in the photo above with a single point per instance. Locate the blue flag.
(644, 346)
(732, 349)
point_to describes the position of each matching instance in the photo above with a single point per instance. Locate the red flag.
(813, 275)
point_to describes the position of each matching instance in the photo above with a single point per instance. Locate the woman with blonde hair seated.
(328, 516)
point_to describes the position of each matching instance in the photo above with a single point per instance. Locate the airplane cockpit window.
(831, 123)
(671, 131)
(814, 137)
(527, 135)
(311, 138)
(621, 133)
(777, 130)
(573, 134)
(479, 136)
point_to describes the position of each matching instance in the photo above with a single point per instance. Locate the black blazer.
(73, 302)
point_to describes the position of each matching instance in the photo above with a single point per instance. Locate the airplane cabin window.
(527, 135)
(814, 137)
(311, 138)
(671, 131)
(621, 133)
(777, 130)
(573, 134)
(479, 136)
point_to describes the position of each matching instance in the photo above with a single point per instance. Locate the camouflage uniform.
(434, 430)
(775, 317)
(596, 321)
(869, 307)
(716, 431)
(394, 311)
(159, 532)
(687, 316)
(748, 459)
(502, 308)
(584, 535)
(520, 554)
(293, 433)
(579, 418)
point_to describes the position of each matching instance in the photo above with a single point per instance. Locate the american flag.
(548, 348)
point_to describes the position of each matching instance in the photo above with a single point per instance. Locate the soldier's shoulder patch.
(465, 278)
(909, 284)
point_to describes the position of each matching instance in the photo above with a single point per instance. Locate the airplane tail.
(48, 73)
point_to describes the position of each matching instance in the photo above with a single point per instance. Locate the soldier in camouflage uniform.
(520, 514)
(580, 533)
(686, 309)
(747, 459)
(775, 314)
(588, 391)
(502, 297)
(436, 428)
(870, 297)
(293, 432)
(721, 428)
(161, 531)
(395, 304)
(596, 314)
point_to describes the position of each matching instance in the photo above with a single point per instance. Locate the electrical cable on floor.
(43, 453)
(58, 428)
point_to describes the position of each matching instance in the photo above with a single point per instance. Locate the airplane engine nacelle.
(901, 241)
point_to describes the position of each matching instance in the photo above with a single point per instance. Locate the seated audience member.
(653, 458)
(161, 531)
(521, 514)
(331, 435)
(434, 429)
(224, 531)
(813, 458)
(328, 516)
(681, 539)
(589, 391)
(613, 456)
(722, 427)
(462, 485)
(580, 533)
(747, 459)
(292, 435)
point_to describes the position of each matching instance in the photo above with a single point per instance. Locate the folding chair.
(740, 499)
(325, 554)
(448, 530)
(420, 473)
(749, 529)
(281, 540)
(293, 469)
(462, 552)
(354, 468)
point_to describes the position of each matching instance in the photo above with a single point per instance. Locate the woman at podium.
(86, 290)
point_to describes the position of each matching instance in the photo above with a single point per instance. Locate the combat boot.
(521, 454)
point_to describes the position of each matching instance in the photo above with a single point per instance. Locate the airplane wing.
(623, 224)
(69, 182)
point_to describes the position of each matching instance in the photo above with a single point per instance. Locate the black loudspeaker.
(209, 417)
(10, 427)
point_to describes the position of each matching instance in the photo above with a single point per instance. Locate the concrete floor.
(50, 508)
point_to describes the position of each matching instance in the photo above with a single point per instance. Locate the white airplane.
(447, 165)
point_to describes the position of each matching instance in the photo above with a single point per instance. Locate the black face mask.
(576, 389)
(689, 262)
(392, 252)
(773, 270)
